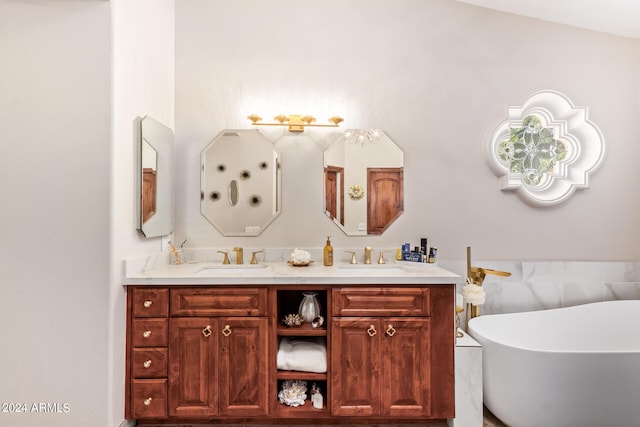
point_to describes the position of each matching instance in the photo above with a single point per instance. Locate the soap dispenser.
(328, 253)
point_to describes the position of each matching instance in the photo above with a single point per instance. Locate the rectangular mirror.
(156, 208)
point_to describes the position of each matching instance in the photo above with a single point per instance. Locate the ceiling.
(619, 17)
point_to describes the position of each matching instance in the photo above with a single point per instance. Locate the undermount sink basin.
(232, 269)
(377, 269)
(372, 266)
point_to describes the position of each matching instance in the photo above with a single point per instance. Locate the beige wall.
(143, 75)
(437, 76)
(55, 134)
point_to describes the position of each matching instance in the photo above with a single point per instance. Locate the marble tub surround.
(542, 285)
(469, 408)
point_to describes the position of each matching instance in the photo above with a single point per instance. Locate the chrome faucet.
(367, 255)
(239, 255)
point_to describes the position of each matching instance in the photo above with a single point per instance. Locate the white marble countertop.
(198, 270)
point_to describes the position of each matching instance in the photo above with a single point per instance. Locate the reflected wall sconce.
(360, 136)
(295, 122)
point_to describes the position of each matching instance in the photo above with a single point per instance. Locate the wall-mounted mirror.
(156, 210)
(240, 182)
(363, 182)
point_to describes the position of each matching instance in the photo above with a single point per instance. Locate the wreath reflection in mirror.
(356, 192)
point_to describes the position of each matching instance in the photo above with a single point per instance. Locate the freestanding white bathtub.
(575, 366)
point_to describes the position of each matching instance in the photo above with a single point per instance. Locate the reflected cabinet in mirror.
(363, 182)
(240, 182)
(156, 195)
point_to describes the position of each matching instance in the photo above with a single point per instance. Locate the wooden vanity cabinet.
(147, 353)
(207, 354)
(389, 357)
(218, 367)
(218, 352)
(215, 343)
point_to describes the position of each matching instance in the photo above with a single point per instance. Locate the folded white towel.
(307, 355)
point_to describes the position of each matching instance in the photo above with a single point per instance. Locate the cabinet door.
(405, 369)
(193, 375)
(355, 366)
(243, 366)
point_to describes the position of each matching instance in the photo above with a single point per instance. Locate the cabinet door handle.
(147, 401)
(372, 331)
(146, 334)
(226, 331)
(147, 364)
(147, 303)
(206, 331)
(390, 331)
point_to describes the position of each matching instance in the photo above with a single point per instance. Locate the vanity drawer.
(149, 398)
(150, 302)
(381, 302)
(150, 332)
(149, 362)
(219, 302)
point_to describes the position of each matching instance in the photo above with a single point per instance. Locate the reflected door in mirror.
(148, 193)
(334, 193)
(385, 202)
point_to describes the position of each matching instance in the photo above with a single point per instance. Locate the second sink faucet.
(239, 255)
(367, 255)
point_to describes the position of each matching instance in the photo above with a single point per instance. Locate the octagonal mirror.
(240, 182)
(363, 182)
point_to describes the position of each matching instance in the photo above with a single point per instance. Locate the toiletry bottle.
(328, 253)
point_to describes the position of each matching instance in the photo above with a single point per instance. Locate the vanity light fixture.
(295, 122)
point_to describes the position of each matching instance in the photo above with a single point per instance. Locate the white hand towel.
(307, 355)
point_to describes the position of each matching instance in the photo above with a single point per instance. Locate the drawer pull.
(147, 303)
(226, 331)
(147, 364)
(390, 331)
(207, 331)
(372, 331)
(146, 334)
(147, 401)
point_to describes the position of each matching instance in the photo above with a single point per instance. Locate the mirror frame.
(161, 139)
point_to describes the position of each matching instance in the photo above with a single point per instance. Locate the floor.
(489, 420)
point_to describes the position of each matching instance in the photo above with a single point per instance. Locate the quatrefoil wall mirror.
(546, 149)
(363, 182)
(240, 182)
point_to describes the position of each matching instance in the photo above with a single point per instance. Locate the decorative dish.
(300, 263)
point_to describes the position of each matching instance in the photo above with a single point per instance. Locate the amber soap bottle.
(328, 253)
